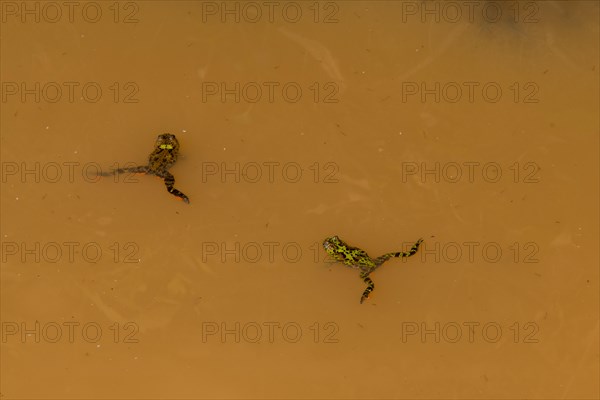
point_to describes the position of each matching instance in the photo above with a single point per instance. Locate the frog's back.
(165, 153)
(348, 255)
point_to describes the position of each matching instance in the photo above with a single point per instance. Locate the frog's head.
(167, 141)
(332, 245)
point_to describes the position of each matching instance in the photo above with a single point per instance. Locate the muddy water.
(474, 127)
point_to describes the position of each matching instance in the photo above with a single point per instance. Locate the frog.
(354, 257)
(164, 155)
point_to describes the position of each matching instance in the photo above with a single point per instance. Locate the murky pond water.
(473, 126)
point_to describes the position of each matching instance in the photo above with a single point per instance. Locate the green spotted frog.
(357, 258)
(166, 150)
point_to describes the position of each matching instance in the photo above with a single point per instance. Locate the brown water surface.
(380, 122)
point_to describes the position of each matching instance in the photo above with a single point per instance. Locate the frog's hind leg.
(170, 183)
(411, 252)
(370, 286)
(142, 169)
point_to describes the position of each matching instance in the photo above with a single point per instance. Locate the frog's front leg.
(370, 285)
(142, 169)
(170, 183)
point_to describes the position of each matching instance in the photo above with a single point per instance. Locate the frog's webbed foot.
(142, 169)
(413, 249)
(170, 183)
(370, 286)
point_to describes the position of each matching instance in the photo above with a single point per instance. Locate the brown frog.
(166, 150)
